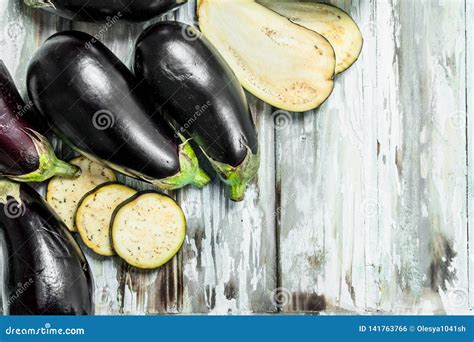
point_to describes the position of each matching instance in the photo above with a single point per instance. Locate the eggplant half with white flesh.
(44, 271)
(107, 10)
(281, 63)
(329, 21)
(25, 154)
(191, 81)
(95, 104)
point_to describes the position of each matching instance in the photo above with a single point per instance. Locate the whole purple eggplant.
(45, 271)
(25, 154)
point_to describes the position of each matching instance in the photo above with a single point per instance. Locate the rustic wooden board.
(359, 206)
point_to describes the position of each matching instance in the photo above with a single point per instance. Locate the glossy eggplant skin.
(193, 84)
(95, 104)
(25, 154)
(190, 80)
(45, 271)
(18, 153)
(107, 10)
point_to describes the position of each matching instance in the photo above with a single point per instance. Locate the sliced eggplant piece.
(281, 63)
(45, 271)
(96, 105)
(190, 80)
(107, 10)
(64, 194)
(148, 229)
(25, 154)
(329, 21)
(94, 213)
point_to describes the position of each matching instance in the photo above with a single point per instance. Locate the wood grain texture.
(362, 205)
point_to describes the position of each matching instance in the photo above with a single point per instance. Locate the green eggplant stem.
(49, 164)
(200, 179)
(237, 191)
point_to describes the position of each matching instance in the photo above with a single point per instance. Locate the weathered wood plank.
(470, 140)
(426, 157)
(326, 167)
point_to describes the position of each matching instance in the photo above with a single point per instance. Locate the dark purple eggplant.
(94, 103)
(193, 84)
(25, 154)
(45, 271)
(107, 10)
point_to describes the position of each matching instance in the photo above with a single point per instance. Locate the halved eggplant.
(329, 21)
(190, 80)
(281, 63)
(94, 214)
(107, 10)
(25, 154)
(148, 229)
(96, 105)
(45, 271)
(64, 194)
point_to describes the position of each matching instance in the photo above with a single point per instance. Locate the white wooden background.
(361, 206)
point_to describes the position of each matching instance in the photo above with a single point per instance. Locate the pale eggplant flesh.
(45, 271)
(281, 63)
(96, 105)
(330, 21)
(107, 10)
(193, 84)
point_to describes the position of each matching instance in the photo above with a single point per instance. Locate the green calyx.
(49, 164)
(189, 171)
(237, 177)
(39, 3)
(9, 189)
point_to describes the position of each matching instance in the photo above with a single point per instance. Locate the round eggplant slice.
(148, 229)
(107, 10)
(25, 154)
(45, 271)
(95, 104)
(281, 63)
(64, 194)
(94, 213)
(190, 80)
(329, 21)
